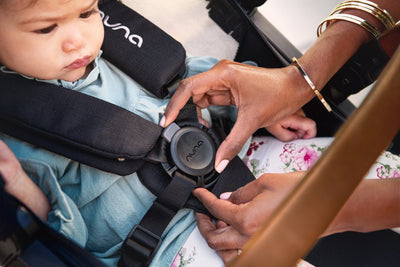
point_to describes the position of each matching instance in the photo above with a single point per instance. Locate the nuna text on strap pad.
(140, 49)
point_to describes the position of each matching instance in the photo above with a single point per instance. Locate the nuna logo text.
(132, 38)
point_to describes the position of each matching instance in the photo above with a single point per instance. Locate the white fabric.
(188, 22)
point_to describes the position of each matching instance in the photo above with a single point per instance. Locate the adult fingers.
(221, 209)
(225, 238)
(178, 100)
(246, 193)
(195, 86)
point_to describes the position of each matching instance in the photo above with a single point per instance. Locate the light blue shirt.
(97, 209)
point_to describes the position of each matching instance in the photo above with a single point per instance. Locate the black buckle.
(192, 153)
(140, 246)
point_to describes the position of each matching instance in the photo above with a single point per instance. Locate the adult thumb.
(231, 146)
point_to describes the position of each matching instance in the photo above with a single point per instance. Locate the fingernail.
(162, 122)
(222, 165)
(225, 196)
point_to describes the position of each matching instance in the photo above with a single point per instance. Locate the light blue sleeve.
(64, 216)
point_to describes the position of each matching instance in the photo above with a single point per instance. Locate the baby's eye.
(47, 29)
(87, 14)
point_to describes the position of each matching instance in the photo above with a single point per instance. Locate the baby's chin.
(68, 77)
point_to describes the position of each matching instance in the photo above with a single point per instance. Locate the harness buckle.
(192, 152)
(140, 245)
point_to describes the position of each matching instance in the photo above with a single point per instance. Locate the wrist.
(311, 85)
(301, 89)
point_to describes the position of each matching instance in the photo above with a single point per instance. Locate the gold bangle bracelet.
(389, 24)
(311, 84)
(372, 4)
(364, 5)
(350, 18)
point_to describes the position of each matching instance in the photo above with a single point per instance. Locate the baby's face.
(50, 39)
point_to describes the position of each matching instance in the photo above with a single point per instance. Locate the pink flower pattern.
(300, 158)
(385, 171)
(305, 158)
(388, 166)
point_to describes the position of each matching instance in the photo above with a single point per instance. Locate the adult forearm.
(375, 205)
(340, 41)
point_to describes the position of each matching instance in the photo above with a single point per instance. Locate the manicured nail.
(162, 121)
(225, 196)
(222, 165)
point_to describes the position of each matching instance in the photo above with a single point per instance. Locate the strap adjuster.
(140, 246)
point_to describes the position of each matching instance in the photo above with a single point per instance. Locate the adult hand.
(243, 212)
(262, 96)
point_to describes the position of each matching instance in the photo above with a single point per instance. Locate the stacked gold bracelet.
(311, 84)
(364, 5)
(369, 7)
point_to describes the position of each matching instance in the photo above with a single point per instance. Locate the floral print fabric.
(269, 155)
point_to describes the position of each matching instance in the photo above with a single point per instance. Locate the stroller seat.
(213, 41)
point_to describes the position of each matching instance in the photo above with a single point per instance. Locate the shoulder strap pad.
(57, 118)
(141, 49)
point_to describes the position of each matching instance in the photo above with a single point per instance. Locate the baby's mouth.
(79, 63)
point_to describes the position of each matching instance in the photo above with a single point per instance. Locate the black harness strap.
(143, 241)
(57, 119)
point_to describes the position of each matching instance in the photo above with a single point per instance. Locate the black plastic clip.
(140, 247)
